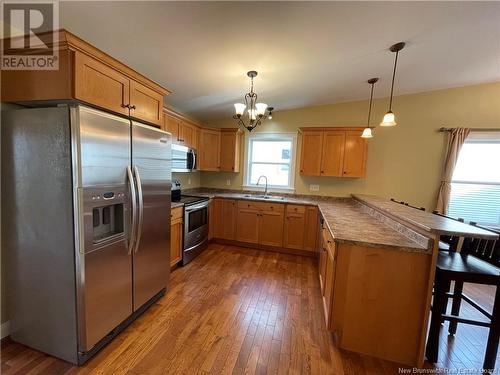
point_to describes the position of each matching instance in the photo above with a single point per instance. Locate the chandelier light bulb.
(239, 108)
(252, 114)
(261, 108)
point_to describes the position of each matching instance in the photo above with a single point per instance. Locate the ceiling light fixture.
(256, 111)
(367, 132)
(389, 119)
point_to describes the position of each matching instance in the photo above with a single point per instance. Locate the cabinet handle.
(131, 106)
(125, 105)
(322, 172)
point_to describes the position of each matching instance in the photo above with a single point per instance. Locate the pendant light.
(389, 119)
(367, 132)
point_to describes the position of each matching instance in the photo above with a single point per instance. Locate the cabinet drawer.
(274, 207)
(176, 213)
(295, 209)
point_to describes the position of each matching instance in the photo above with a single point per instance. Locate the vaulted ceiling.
(306, 53)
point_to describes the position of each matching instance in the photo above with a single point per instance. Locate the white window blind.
(475, 187)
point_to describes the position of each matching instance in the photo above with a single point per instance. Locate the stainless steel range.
(195, 227)
(195, 222)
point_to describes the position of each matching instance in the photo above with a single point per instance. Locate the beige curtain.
(456, 139)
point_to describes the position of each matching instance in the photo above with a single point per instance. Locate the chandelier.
(256, 111)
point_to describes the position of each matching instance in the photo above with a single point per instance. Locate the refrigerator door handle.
(141, 208)
(134, 210)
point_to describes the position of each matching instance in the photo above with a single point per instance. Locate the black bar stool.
(466, 267)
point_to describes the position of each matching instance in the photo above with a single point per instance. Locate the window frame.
(280, 137)
(478, 137)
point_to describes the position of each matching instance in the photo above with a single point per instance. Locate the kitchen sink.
(261, 196)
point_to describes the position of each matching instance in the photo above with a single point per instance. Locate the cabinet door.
(218, 218)
(208, 153)
(332, 159)
(322, 268)
(186, 134)
(229, 151)
(311, 228)
(329, 283)
(211, 219)
(354, 154)
(310, 156)
(101, 85)
(171, 125)
(146, 104)
(247, 225)
(271, 228)
(229, 219)
(294, 230)
(175, 242)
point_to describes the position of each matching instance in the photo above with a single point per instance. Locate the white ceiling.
(306, 53)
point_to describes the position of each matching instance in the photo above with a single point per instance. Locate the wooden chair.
(476, 263)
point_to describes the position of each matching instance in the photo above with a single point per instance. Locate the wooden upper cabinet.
(187, 134)
(230, 142)
(101, 85)
(209, 149)
(355, 154)
(339, 152)
(91, 76)
(332, 158)
(171, 125)
(146, 104)
(310, 160)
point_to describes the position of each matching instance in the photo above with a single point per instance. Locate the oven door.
(195, 225)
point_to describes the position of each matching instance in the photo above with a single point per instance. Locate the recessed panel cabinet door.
(101, 85)
(310, 159)
(311, 229)
(294, 230)
(209, 150)
(148, 103)
(176, 241)
(247, 226)
(171, 125)
(229, 219)
(354, 154)
(271, 228)
(332, 159)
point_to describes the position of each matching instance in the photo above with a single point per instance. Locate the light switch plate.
(228, 182)
(314, 187)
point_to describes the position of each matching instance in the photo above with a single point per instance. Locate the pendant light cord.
(393, 76)
(370, 109)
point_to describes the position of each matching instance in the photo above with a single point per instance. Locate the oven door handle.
(196, 207)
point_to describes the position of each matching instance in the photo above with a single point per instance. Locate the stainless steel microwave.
(183, 159)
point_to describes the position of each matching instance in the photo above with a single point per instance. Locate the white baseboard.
(5, 329)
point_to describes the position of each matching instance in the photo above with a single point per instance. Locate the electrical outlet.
(189, 181)
(228, 182)
(314, 187)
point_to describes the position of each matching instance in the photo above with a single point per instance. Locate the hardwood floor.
(235, 310)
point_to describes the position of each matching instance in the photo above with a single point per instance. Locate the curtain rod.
(443, 129)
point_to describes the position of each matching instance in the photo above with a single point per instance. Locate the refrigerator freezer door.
(104, 264)
(151, 160)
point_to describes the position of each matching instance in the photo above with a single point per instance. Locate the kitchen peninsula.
(377, 260)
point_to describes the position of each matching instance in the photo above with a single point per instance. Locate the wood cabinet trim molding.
(329, 128)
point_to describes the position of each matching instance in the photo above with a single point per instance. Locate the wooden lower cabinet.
(301, 227)
(311, 228)
(247, 225)
(271, 228)
(224, 218)
(176, 229)
(372, 293)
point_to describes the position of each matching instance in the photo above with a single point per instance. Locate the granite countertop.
(345, 218)
(424, 220)
(176, 204)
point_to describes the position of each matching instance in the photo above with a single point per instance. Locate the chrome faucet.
(265, 191)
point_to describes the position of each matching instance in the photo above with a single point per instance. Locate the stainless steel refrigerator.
(85, 225)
